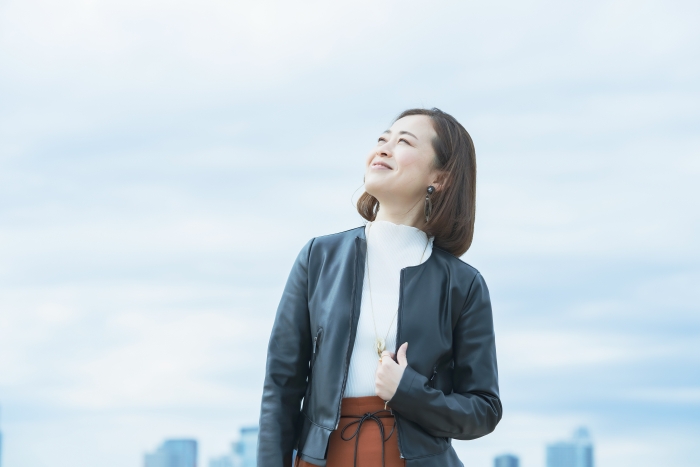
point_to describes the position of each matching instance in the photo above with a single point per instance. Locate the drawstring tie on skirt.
(360, 420)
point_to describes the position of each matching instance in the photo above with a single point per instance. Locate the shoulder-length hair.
(454, 206)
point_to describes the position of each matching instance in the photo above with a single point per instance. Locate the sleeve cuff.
(403, 400)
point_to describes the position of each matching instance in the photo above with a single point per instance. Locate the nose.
(385, 150)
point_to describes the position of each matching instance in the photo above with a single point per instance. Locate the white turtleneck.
(390, 248)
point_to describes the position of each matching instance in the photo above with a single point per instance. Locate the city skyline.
(243, 451)
(577, 451)
(173, 453)
(506, 460)
(574, 452)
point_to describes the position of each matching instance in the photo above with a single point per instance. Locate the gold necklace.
(380, 344)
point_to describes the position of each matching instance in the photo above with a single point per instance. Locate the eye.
(381, 139)
(404, 140)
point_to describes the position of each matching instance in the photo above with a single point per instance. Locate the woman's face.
(399, 168)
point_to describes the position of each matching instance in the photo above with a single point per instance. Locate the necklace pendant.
(380, 346)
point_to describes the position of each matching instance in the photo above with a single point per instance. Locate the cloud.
(161, 164)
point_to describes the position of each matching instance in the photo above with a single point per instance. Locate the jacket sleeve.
(286, 370)
(474, 408)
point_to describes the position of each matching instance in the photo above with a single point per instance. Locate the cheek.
(369, 157)
(409, 160)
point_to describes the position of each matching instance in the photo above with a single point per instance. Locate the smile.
(380, 165)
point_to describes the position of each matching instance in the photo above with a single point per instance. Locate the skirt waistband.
(361, 405)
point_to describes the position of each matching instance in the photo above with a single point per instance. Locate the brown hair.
(454, 206)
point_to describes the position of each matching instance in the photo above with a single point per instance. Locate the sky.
(163, 162)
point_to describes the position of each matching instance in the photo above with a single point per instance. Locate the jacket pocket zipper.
(317, 337)
(431, 381)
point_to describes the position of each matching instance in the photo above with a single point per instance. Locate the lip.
(380, 165)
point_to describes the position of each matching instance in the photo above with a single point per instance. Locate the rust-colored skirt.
(359, 434)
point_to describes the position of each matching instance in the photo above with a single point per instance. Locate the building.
(244, 452)
(173, 453)
(576, 452)
(506, 460)
(246, 448)
(223, 461)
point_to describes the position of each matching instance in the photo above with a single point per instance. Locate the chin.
(376, 181)
(373, 187)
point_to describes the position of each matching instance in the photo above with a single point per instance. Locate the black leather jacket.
(448, 390)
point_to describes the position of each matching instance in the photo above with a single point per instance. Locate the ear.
(439, 179)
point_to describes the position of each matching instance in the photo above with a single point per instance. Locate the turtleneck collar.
(402, 245)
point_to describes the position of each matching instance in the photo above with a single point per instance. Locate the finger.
(385, 358)
(401, 354)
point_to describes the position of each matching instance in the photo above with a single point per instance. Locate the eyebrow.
(402, 133)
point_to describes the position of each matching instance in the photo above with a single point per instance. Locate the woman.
(356, 300)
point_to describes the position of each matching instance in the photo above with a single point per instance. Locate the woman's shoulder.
(328, 243)
(338, 238)
(455, 264)
(342, 235)
(444, 258)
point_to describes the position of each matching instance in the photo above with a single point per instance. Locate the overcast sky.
(162, 163)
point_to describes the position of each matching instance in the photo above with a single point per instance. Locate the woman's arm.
(288, 355)
(473, 409)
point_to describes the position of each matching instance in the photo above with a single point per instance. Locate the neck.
(413, 216)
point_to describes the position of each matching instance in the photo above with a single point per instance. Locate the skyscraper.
(223, 461)
(506, 460)
(243, 452)
(246, 447)
(577, 452)
(173, 453)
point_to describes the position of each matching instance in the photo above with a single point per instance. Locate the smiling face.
(424, 147)
(400, 167)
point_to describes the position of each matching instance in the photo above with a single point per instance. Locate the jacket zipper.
(398, 339)
(351, 342)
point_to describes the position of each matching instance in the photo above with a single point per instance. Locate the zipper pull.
(316, 337)
(434, 372)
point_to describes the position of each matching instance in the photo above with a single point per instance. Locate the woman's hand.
(389, 373)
